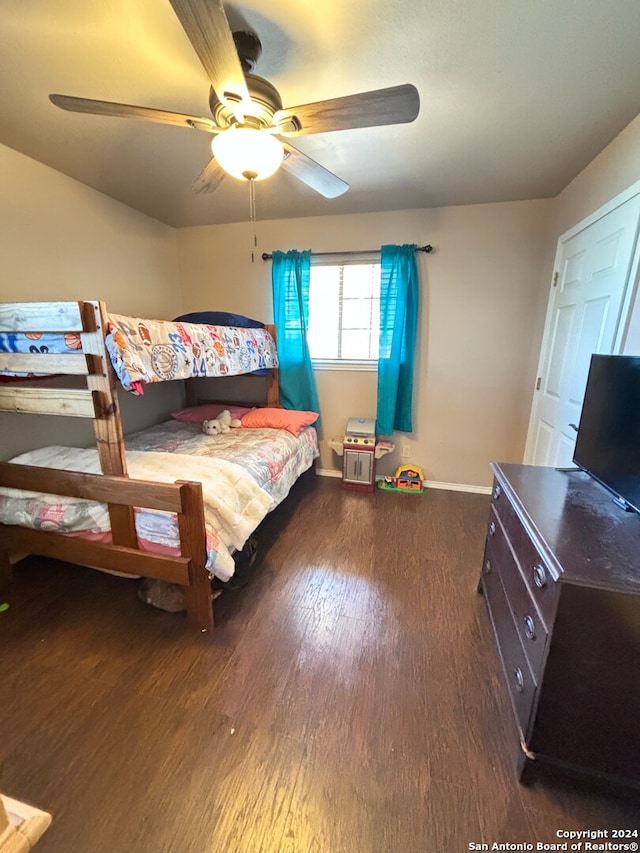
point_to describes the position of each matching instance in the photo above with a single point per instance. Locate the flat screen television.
(608, 443)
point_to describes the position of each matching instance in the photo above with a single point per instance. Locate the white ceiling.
(517, 96)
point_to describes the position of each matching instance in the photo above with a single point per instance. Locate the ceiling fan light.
(244, 153)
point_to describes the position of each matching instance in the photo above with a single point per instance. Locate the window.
(344, 313)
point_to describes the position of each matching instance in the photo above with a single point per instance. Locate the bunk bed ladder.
(107, 424)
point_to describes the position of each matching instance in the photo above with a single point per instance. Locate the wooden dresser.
(561, 579)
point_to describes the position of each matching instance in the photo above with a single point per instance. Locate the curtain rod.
(267, 257)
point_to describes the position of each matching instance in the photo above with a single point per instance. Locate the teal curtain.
(290, 281)
(398, 322)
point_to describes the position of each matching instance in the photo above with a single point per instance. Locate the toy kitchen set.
(359, 449)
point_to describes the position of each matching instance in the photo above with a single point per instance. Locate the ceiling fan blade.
(210, 177)
(205, 23)
(396, 105)
(312, 174)
(109, 108)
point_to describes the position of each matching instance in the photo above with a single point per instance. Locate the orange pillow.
(289, 419)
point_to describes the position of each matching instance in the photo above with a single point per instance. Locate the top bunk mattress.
(144, 351)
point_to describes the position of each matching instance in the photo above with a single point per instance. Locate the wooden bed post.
(107, 424)
(190, 392)
(191, 525)
(273, 379)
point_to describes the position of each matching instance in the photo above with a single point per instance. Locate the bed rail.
(35, 318)
(184, 498)
(98, 400)
(273, 380)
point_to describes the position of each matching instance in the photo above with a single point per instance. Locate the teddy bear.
(223, 423)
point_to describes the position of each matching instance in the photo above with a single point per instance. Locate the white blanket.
(234, 504)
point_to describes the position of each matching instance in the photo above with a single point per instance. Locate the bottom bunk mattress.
(245, 473)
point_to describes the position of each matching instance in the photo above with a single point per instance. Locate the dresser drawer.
(520, 682)
(526, 616)
(536, 574)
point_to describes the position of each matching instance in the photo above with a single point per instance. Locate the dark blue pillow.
(219, 318)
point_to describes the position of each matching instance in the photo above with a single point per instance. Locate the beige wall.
(611, 172)
(615, 169)
(61, 240)
(479, 289)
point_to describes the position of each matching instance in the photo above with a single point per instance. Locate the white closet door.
(585, 314)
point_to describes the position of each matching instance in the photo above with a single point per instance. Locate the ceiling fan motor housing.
(265, 101)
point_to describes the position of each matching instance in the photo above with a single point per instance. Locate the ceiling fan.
(250, 127)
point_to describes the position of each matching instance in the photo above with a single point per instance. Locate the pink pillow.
(207, 412)
(289, 419)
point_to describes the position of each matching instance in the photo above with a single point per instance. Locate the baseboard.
(429, 484)
(458, 487)
(328, 472)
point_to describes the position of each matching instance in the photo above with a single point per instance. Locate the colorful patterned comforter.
(245, 474)
(274, 458)
(145, 351)
(154, 351)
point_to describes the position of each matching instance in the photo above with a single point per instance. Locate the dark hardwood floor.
(349, 700)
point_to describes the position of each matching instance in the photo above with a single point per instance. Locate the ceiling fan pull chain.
(252, 216)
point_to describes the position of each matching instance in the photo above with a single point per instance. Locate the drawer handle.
(492, 528)
(539, 576)
(519, 677)
(529, 627)
(497, 491)
(487, 567)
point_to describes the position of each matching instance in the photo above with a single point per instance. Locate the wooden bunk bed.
(99, 402)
